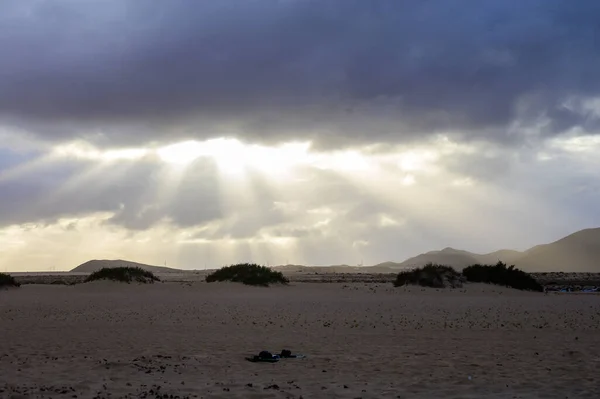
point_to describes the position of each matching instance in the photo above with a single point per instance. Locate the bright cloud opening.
(416, 160)
(234, 157)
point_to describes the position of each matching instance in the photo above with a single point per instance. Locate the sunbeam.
(205, 203)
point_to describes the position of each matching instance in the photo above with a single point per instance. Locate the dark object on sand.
(287, 354)
(268, 357)
(264, 356)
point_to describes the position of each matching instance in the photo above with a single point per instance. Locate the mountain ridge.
(96, 264)
(579, 250)
(576, 252)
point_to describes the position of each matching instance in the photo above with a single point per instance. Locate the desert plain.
(189, 339)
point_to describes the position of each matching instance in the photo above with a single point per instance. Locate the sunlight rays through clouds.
(253, 187)
(205, 203)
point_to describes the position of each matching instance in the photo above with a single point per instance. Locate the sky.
(203, 133)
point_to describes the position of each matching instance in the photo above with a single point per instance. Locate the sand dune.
(368, 341)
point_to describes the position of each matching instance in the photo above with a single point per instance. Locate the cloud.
(334, 71)
(431, 125)
(321, 212)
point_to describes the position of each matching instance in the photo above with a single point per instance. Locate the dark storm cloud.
(334, 70)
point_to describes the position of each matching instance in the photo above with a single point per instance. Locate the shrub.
(430, 275)
(500, 274)
(249, 274)
(123, 274)
(6, 280)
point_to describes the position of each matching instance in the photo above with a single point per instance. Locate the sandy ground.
(362, 341)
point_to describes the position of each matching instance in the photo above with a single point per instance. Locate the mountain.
(504, 255)
(447, 256)
(335, 269)
(578, 252)
(94, 265)
(387, 265)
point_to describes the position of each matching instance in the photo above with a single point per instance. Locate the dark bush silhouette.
(430, 275)
(500, 274)
(123, 274)
(247, 273)
(6, 280)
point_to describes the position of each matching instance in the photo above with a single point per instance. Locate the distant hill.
(578, 252)
(334, 269)
(447, 256)
(504, 255)
(94, 265)
(388, 265)
(458, 258)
